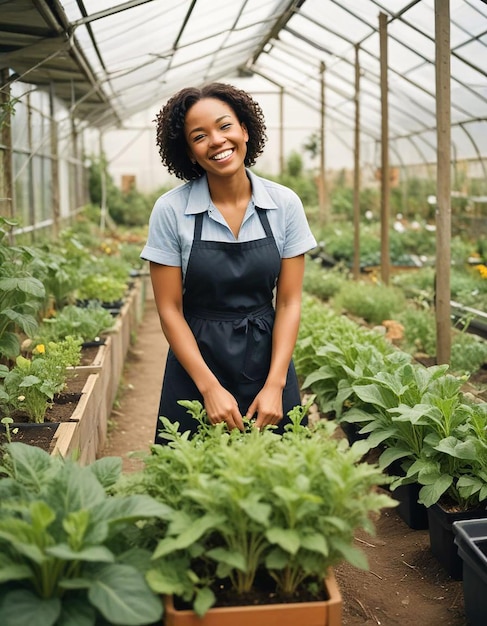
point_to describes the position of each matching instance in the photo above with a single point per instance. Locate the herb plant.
(289, 506)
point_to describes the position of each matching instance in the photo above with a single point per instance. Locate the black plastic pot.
(471, 541)
(442, 536)
(414, 514)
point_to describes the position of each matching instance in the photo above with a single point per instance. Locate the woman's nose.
(216, 138)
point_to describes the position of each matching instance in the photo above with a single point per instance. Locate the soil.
(41, 435)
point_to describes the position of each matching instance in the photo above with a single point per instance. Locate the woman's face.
(216, 139)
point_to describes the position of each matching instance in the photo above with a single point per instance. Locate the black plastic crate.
(471, 540)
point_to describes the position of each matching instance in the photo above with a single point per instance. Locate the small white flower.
(21, 398)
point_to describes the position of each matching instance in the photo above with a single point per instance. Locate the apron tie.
(258, 327)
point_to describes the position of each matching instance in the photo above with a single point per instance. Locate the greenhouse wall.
(49, 182)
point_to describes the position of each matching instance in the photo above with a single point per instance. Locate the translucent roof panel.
(132, 55)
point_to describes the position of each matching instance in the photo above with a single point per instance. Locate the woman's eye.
(198, 137)
(225, 126)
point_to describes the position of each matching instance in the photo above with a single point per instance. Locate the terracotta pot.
(320, 613)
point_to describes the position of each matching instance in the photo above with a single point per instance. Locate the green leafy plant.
(288, 507)
(102, 289)
(83, 323)
(31, 384)
(323, 283)
(372, 302)
(332, 353)
(70, 551)
(21, 294)
(421, 417)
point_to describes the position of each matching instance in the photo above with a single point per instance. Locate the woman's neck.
(230, 190)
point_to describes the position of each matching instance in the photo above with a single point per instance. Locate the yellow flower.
(482, 269)
(40, 349)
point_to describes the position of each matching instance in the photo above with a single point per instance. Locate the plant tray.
(321, 613)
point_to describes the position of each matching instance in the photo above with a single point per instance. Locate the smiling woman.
(221, 246)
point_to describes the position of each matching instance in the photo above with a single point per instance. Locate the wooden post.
(103, 184)
(6, 184)
(356, 171)
(281, 131)
(443, 181)
(384, 200)
(323, 209)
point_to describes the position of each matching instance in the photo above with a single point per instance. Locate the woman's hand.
(221, 406)
(268, 406)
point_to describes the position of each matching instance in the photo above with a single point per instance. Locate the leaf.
(459, 449)
(93, 553)
(24, 284)
(205, 599)
(277, 559)
(10, 570)
(27, 323)
(77, 612)
(107, 470)
(393, 454)
(257, 511)
(189, 536)
(430, 494)
(23, 608)
(121, 594)
(9, 345)
(316, 542)
(229, 557)
(375, 395)
(130, 508)
(287, 538)
(353, 555)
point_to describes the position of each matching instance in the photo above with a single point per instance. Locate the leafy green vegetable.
(69, 551)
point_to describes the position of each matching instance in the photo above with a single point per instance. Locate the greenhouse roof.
(110, 61)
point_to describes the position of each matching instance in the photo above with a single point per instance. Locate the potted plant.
(256, 511)
(424, 421)
(71, 552)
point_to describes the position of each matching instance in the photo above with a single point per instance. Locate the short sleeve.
(163, 242)
(298, 236)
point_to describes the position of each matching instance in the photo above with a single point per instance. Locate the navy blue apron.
(227, 303)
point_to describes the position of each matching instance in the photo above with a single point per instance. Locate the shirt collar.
(199, 199)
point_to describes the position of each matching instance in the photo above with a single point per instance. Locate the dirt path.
(133, 419)
(405, 585)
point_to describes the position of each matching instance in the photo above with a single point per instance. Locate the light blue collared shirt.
(171, 224)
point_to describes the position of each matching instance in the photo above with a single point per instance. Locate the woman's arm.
(268, 402)
(220, 405)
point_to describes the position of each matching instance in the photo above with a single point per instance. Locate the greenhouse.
(364, 123)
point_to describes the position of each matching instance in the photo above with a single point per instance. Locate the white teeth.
(222, 155)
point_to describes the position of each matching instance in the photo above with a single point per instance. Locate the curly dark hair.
(171, 139)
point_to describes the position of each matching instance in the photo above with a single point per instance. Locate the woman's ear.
(245, 131)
